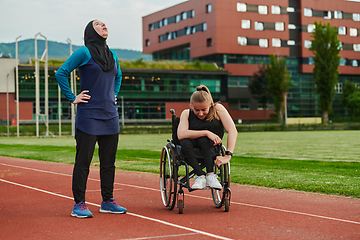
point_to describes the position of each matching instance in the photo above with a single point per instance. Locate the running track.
(36, 201)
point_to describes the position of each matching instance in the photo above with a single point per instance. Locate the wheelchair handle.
(172, 111)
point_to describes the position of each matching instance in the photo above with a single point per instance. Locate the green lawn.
(316, 161)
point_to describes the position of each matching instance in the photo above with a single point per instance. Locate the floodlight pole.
(72, 89)
(59, 109)
(17, 86)
(37, 88)
(46, 85)
(7, 103)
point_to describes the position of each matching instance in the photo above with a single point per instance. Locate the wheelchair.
(172, 185)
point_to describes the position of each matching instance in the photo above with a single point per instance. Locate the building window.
(208, 8)
(311, 28)
(244, 104)
(354, 63)
(275, 9)
(279, 26)
(242, 41)
(241, 7)
(353, 32)
(276, 42)
(342, 61)
(184, 15)
(307, 12)
(188, 30)
(165, 21)
(263, 43)
(327, 15)
(178, 18)
(356, 47)
(151, 27)
(147, 42)
(174, 35)
(209, 42)
(259, 26)
(262, 9)
(311, 61)
(342, 30)
(290, 9)
(160, 24)
(204, 26)
(338, 15)
(245, 24)
(339, 88)
(292, 26)
(193, 30)
(169, 35)
(356, 17)
(290, 42)
(307, 44)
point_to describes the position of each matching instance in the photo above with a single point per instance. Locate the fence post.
(249, 125)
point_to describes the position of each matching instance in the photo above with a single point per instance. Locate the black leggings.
(204, 144)
(85, 146)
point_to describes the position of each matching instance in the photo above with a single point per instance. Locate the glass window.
(244, 104)
(354, 63)
(356, 47)
(311, 28)
(291, 26)
(259, 26)
(208, 8)
(311, 61)
(204, 26)
(174, 35)
(192, 13)
(151, 27)
(169, 35)
(342, 30)
(184, 15)
(147, 42)
(353, 32)
(338, 14)
(263, 43)
(178, 18)
(356, 17)
(242, 40)
(307, 12)
(160, 24)
(290, 42)
(241, 7)
(188, 30)
(307, 44)
(327, 15)
(276, 42)
(342, 61)
(279, 26)
(338, 88)
(275, 9)
(245, 24)
(262, 9)
(290, 9)
(193, 30)
(165, 21)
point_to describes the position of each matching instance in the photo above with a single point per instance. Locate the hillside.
(59, 50)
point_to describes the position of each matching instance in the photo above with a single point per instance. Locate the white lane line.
(286, 211)
(237, 203)
(131, 214)
(164, 236)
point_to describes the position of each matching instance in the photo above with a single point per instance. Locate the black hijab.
(98, 48)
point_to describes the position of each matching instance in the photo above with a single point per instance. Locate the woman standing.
(97, 118)
(203, 126)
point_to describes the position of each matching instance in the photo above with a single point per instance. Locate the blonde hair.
(203, 94)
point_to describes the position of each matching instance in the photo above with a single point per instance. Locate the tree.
(326, 47)
(279, 83)
(258, 88)
(350, 98)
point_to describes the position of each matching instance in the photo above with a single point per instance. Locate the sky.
(66, 19)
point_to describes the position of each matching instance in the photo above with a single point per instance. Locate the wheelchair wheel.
(168, 178)
(222, 196)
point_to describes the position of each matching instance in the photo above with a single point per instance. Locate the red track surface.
(36, 202)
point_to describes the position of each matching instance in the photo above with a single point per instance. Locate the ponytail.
(202, 94)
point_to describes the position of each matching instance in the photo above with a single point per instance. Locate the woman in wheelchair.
(202, 126)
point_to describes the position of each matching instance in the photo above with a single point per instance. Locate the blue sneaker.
(111, 207)
(80, 210)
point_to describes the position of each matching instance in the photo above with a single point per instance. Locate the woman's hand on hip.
(82, 97)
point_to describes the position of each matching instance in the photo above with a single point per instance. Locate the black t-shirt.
(214, 126)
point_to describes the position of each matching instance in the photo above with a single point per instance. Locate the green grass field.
(315, 161)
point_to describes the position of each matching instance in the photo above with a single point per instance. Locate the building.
(241, 35)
